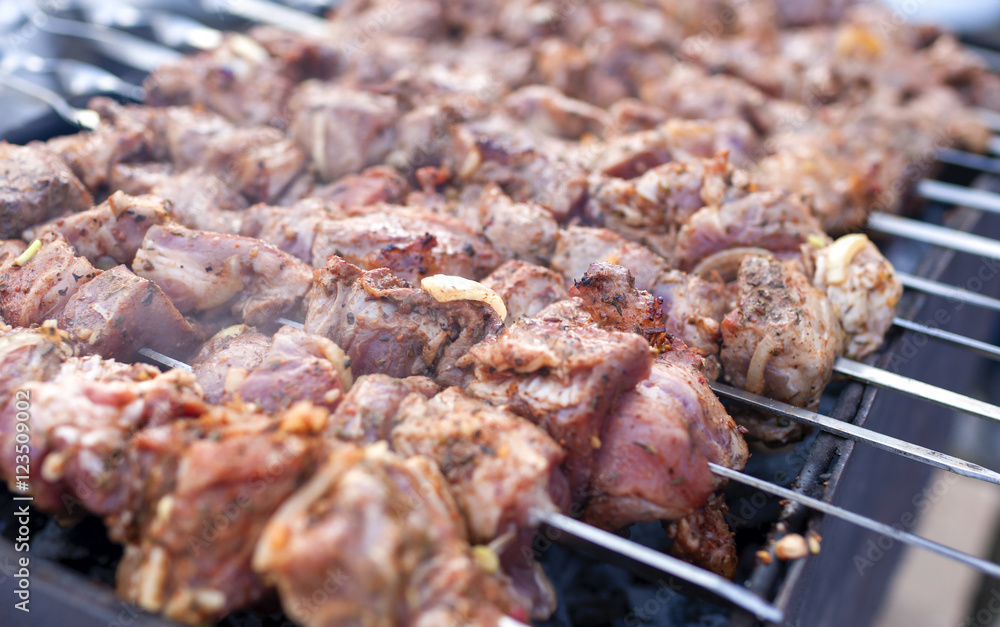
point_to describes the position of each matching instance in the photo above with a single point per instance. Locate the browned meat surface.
(202, 271)
(198, 199)
(693, 308)
(239, 80)
(238, 350)
(517, 230)
(369, 409)
(389, 327)
(110, 232)
(650, 209)
(343, 130)
(577, 247)
(388, 534)
(296, 367)
(704, 538)
(374, 186)
(35, 185)
(563, 377)
(502, 471)
(117, 313)
(81, 420)
(180, 559)
(782, 338)
(413, 243)
(547, 110)
(29, 355)
(607, 292)
(292, 229)
(526, 289)
(774, 221)
(39, 290)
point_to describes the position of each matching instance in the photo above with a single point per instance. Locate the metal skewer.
(862, 521)
(959, 195)
(933, 234)
(919, 389)
(859, 434)
(948, 291)
(969, 160)
(982, 348)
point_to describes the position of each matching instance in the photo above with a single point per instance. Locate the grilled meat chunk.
(382, 538)
(117, 313)
(29, 355)
(783, 336)
(863, 289)
(526, 289)
(563, 377)
(180, 558)
(518, 230)
(296, 367)
(607, 292)
(292, 229)
(374, 186)
(774, 221)
(81, 421)
(368, 412)
(704, 538)
(693, 308)
(387, 326)
(197, 199)
(578, 246)
(112, 230)
(343, 130)
(35, 185)
(413, 243)
(237, 349)
(39, 290)
(549, 111)
(202, 271)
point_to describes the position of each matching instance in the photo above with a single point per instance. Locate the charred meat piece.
(180, 558)
(237, 349)
(413, 243)
(863, 289)
(112, 230)
(382, 538)
(704, 538)
(117, 313)
(81, 420)
(563, 377)
(343, 130)
(296, 367)
(35, 185)
(783, 336)
(202, 271)
(29, 355)
(386, 326)
(607, 292)
(774, 221)
(39, 289)
(368, 412)
(526, 289)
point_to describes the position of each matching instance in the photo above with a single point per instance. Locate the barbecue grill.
(836, 485)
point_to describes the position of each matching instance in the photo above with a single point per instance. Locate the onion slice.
(726, 262)
(755, 372)
(840, 254)
(445, 288)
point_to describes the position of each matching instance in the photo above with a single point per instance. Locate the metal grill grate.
(773, 590)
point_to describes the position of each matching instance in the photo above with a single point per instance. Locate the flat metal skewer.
(969, 160)
(614, 548)
(906, 385)
(273, 14)
(990, 119)
(84, 118)
(982, 348)
(959, 195)
(934, 234)
(978, 563)
(859, 434)
(948, 291)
